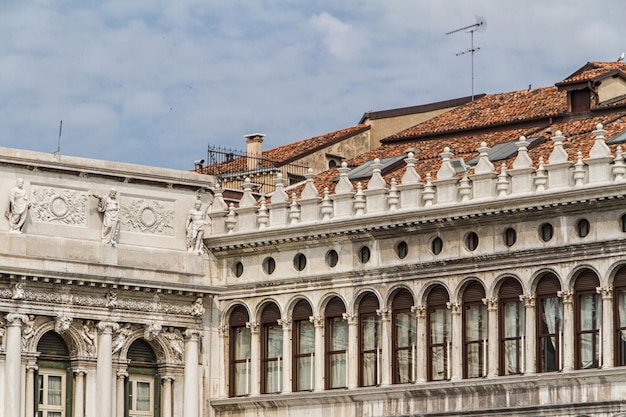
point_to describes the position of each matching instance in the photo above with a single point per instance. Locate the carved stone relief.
(149, 216)
(60, 206)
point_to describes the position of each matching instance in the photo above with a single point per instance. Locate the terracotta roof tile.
(592, 70)
(491, 110)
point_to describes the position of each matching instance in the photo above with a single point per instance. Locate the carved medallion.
(51, 205)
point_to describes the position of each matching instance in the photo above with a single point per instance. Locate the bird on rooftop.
(621, 58)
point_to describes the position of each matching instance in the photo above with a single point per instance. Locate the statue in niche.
(175, 338)
(109, 206)
(88, 334)
(120, 338)
(28, 331)
(195, 228)
(197, 309)
(18, 291)
(18, 207)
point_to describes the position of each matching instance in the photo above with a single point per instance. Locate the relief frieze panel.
(148, 216)
(59, 206)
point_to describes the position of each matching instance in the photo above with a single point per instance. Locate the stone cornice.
(362, 227)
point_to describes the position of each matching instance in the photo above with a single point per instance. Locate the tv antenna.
(58, 151)
(480, 25)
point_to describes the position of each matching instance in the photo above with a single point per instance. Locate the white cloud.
(342, 40)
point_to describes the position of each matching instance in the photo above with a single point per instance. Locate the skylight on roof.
(365, 169)
(502, 151)
(621, 138)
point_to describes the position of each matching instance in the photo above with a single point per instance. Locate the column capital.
(383, 313)
(168, 378)
(318, 321)
(79, 372)
(192, 334)
(253, 326)
(108, 327)
(566, 296)
(31, 367)
(528, 300)
(419, 311)
(223, 330)
(285, 324)
(454, 306)
(605, 292)
(15, 319)
(491, 303)
(350, 318)
(121, 374)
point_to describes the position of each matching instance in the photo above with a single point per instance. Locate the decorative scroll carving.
(62, 324)
(151, 331)
(51, 205)
(148, 217)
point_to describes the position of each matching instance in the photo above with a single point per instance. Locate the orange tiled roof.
(428, 160)
(592, 70)
(489, 111)
(287, 153)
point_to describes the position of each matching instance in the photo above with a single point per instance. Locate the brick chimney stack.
(254, 142)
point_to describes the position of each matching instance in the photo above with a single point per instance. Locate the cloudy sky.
(155, 82)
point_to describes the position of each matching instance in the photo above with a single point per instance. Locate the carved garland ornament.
(151, 217)
(50, 205)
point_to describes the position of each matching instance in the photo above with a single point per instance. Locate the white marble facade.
(394, 299)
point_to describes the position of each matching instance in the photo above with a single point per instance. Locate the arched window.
(549, 324)
(439, 329)
(404, 338)
(143, 385)
(303, 348)
(239, 352)
(370, 336)
(271, 350)
(588, 321)
(619, 307)
(511, 328)
(53, 394)
(475, 331)
(336, 338)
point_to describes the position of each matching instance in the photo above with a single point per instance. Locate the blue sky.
(154, 82)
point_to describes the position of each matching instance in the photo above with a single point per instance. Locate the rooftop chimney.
(254, 142)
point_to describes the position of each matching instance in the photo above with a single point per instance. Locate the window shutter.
(302, 311)
(620, 278)
(438, 296)
(239, 316)
(271, 314)
(586, 281)
(403, 300)
(368, 304)
(474, 292)
(335, 308)
(548, 285)
(510, 288)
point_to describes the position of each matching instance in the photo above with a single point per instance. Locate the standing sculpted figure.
(109, 205)
(195, 228)
(18, 207)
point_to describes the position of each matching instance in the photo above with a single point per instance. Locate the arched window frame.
(619, 311)
(404, 338)
(511, 328)
(336, 340)
(587, 321)
(271, 350)
(549, 327)
(370, 341)
(439, 334)
(475, 331)
(303, 348)
(239, 352)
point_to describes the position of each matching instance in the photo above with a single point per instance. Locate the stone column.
(420, 366)
(13, 364)
(119, 393)
(79, 392)
(529, 340)
(104, 368)
(166, 394)
(607, 354)
(353, 350)
(191, 384)
(566, 355)
(30, 390)
(318, 365)
(223, 332)
(493, 346)
(384, 352)
(456, 360)
(255, 346)
(286, 383)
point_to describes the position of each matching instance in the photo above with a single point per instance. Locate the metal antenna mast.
(58, 151)
(480, 24)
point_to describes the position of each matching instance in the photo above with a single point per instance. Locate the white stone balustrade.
(483, 182)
